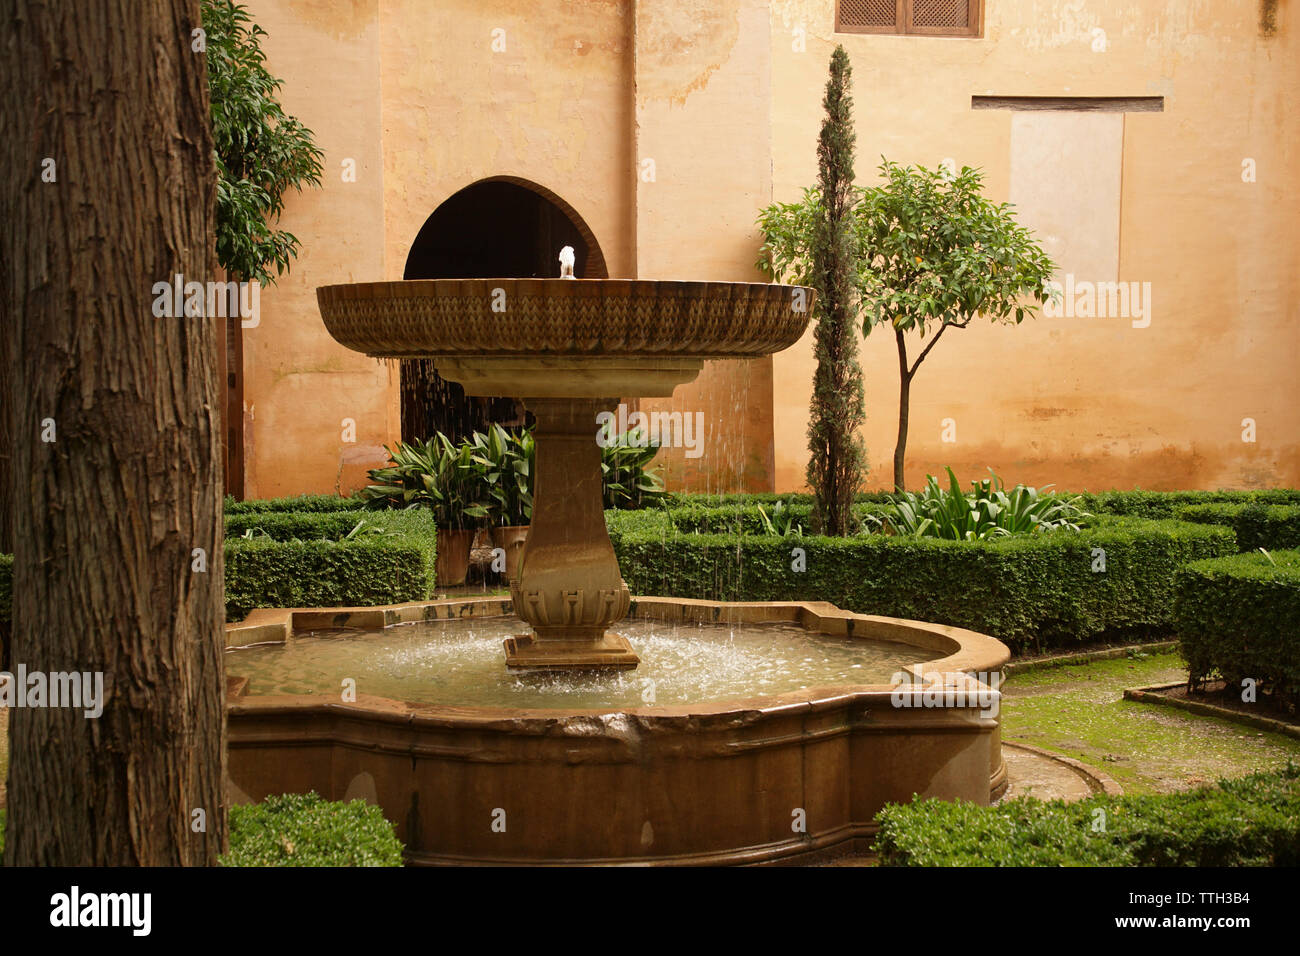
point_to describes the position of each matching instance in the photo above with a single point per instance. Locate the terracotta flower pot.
(510, 539)
(453, 555)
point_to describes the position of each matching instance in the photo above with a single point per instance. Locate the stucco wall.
(304, 395)
(1084, 402)
(720, 98)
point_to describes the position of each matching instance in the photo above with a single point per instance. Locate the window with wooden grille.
(944, 18)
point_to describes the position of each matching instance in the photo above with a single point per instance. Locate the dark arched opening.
(501, 227)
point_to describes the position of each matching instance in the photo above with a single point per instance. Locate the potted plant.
(506, 463)
(445, 479)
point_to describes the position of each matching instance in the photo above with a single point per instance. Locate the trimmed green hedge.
(1165, 504)
(1031, 591)
(1250, 821)
(286, 525)
(1258, 525)
(295, 503)
(303, 830)
(1239, 617)
(300, 829)
(390, 568)
(1138, 504)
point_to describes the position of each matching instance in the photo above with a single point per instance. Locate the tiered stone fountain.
(569, 348)
(449, 743)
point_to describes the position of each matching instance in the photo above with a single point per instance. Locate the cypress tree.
(838, 460)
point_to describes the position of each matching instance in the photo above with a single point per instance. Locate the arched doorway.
(502, 227)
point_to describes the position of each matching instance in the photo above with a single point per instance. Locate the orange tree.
(931, 252)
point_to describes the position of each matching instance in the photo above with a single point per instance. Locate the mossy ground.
(1079, 711)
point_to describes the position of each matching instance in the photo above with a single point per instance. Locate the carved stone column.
(569, 588)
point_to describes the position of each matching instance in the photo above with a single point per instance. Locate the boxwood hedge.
(294, 503)
(287, 525)
(1165, 504)
(1250, 821)
(305, 830)
(1108, 582)
(1257, 525)
(1239, 617)
(395, 565)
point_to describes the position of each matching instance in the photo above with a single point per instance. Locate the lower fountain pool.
(459, 663)
(740, 718)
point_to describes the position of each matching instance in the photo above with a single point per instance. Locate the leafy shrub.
(986, 512)
(435, 474)
(782, 522)
(1027, 590)
(1258, 525)
(305, 830)
(626, 479)
(488, 478)
(506, 463)
(393, 565)
(1250, 821)
(1239, 617)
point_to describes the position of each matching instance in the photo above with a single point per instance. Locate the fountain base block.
(609, 652)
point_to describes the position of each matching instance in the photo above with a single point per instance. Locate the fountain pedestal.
(569, 588)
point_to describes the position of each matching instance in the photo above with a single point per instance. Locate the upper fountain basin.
(566, 337)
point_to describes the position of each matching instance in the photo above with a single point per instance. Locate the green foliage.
(930, 252)
(1165, 504)
(436, 475)
(289, 525)
(783, 522)
(937, 252)
(1258, 525)
(1238, 617)
(297, 503)
(627, 481)
(305, 830)
(489, 478)
(506, 464)
(261, 151)
(393, 564)
(1031, 591)
(1249, 821)
(837, 462)
(987, 512)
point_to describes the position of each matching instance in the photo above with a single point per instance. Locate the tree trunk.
(109, 513)
(904, 400)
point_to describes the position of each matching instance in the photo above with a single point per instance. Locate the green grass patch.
(1079, 711)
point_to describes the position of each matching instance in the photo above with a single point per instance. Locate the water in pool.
(462, 663)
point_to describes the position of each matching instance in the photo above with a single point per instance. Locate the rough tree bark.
(106, 517)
